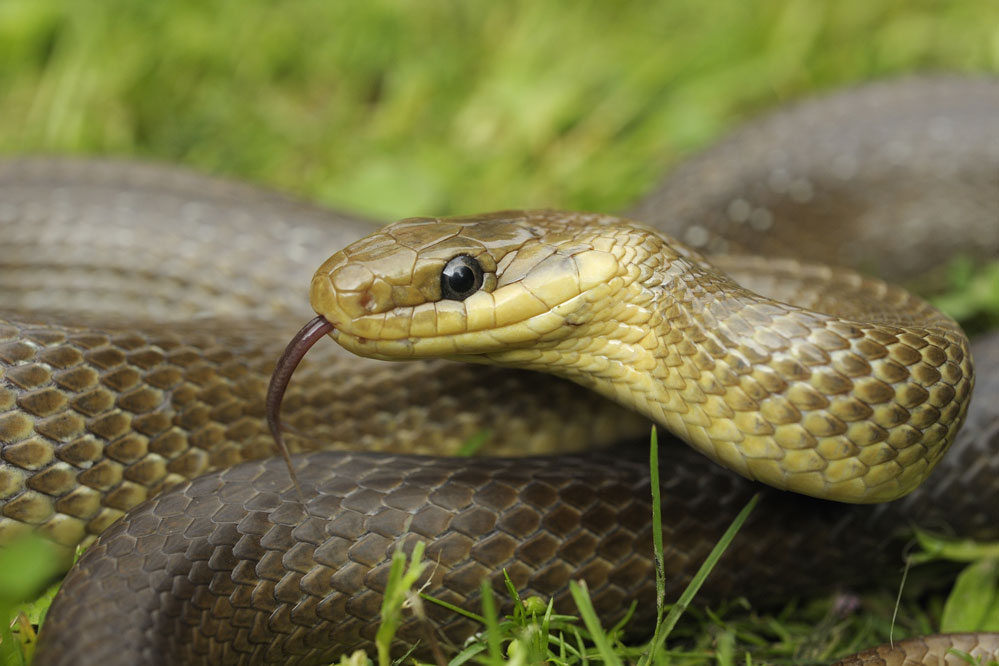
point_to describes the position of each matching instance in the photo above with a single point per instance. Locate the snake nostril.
(368, 302)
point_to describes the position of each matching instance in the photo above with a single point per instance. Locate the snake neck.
(799, 399)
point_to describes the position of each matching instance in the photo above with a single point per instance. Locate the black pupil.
(461, 279)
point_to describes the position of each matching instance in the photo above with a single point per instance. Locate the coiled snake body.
(103, 410)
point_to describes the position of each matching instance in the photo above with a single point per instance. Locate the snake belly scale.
(233, 568)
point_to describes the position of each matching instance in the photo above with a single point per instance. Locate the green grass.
(446, 106)
(27, 569)
(393, 109)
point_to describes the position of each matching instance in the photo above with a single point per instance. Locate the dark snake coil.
(100, 410)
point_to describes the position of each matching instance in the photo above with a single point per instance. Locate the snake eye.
(461, 277)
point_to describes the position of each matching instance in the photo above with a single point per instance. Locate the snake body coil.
(102, 411)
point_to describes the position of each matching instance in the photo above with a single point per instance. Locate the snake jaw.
(293, 354)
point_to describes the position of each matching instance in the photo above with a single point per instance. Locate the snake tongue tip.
(293, 354)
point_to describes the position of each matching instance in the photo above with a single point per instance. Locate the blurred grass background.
(440, 106)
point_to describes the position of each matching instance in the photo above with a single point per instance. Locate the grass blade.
(657, 525)
(582, 598)
(666, 627)
(402, 577)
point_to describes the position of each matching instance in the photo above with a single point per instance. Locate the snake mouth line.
(296, 350)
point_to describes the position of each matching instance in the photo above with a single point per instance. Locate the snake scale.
(144, 307)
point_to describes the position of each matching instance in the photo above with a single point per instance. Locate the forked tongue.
(292, 356)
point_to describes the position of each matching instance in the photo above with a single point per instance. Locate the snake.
(144, 308)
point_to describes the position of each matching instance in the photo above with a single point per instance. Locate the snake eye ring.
(461, 277)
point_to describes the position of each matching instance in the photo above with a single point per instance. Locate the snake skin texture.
(544, 523)
(915, 651)
(229, 568)
(101, 408)
(875, 169)
(856, 402)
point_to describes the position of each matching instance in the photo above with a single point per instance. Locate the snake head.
(493, 288)
(469, 287)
